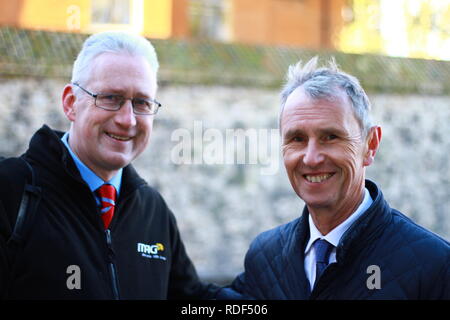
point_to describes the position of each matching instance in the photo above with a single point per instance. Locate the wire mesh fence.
(44, 53)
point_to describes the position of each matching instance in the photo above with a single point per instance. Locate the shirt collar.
(334, 236)
(93, 181)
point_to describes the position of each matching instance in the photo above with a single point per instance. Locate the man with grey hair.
(76, 220)
(348, 243)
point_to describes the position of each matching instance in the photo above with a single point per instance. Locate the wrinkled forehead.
(112, 59)
(302, 99)
(114, 71)
(301, 107)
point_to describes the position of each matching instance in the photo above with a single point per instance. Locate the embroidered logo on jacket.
(151, 251)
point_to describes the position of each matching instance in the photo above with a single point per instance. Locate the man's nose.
(125, 115)
(313, 155)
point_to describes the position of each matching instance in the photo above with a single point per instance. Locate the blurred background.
(223, 63)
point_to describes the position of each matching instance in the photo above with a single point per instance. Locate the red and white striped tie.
(107, 194)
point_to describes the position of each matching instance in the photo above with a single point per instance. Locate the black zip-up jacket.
(409, 261)
(141, 256)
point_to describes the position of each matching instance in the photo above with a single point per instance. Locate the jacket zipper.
(112, 267)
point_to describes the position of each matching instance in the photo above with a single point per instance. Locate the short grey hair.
(112, 42)
(324, 83)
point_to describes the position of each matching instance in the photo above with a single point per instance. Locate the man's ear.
(372, 144)
(68, 101)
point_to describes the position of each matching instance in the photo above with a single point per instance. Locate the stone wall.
(220, 208)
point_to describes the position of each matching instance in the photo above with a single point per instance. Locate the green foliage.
(51, 54)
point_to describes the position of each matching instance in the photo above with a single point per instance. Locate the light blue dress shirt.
(93, 181)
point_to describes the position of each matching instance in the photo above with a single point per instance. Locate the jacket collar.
(366, 228)
(90, 177)
(335, 235)
(47, 150)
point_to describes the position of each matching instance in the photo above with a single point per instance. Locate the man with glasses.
(96, 230)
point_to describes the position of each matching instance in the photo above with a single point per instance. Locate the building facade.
(306, 23)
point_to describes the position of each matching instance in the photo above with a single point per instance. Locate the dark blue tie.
(323, 249)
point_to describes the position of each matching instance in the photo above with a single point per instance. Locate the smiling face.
(106, 141)
(324, 152)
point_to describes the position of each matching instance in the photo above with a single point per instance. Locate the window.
(117, 14)
(208, 19)
(111, 11)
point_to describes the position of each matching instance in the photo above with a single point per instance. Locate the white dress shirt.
(333, 237)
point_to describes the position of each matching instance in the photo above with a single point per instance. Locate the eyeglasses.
(113, 102)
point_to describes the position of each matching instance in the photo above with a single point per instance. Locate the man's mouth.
(317, 178)
(117, 137)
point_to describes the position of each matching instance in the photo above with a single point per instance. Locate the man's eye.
(111, 97)
(141, 103)
(298, 139)
(331, 137)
